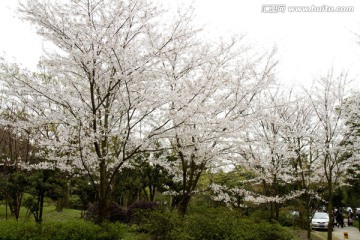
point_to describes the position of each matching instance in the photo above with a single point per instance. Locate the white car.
(320, 220)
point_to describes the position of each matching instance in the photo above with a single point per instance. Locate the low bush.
(70, 230)
(209, 224)
(117, 214)
(165, 225)
(212, 224)
(139, 211)
(222, 223)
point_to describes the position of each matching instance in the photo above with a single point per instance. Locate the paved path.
(353, 233)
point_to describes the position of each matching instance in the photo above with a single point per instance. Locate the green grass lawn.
(67, 216)
(49, 214)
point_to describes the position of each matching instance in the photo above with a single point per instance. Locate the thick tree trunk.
(104, 196)
(60, 204)
(103, 210)
(184, 204)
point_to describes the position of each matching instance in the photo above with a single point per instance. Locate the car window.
(321, 216)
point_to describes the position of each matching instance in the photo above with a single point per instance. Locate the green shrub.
(139, 211)
(248, 229)
(165, 225)
(13, 230)
(213, 224)
(112, 231)
(224, 224)
(115, 211)
(69, 230)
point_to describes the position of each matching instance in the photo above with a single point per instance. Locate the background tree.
(268, 153)
(214, 113)
(44, 183)
(351, 107)
(301, 130)
(327, 98)
(16, 149)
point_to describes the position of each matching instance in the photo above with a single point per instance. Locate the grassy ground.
(49, 214)
(300, 234)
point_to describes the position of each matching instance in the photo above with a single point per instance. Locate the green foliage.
(112, 231)
(139, 211)
(44, 183)
(201, 223)
(85, 193)
(117, 214)
(70, 230)
(210, 224)
(32, 205)
(222, 223)
(165, 225)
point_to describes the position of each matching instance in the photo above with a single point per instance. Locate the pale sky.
(309, 43)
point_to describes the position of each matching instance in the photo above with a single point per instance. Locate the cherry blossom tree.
(268, 152)
(278, 150)
(101, 95)
(121, 77)
(328, 99)
(213, 117)
(305, 163)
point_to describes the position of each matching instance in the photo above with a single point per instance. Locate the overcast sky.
(309, 43)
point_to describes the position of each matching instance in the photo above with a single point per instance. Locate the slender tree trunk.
(18, 204)
(277, 211)
(41, 207)
(329, 210)
(307, 220)
(272, 211)
(152, 190)
(6, 206)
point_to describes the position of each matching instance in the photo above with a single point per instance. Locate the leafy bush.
(112, 231)
(92, 213)
(222, 223)
(70, 230)
(117, 214)
(115, 211)
(213, 224)
(165, 225)
(144, 205)
(139, 211)
(74, 202)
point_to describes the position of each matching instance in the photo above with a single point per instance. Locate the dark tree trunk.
(17, 204)
(60, 204)
(183, 204)
(307, 221)
(329, 210)
(104, 196)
